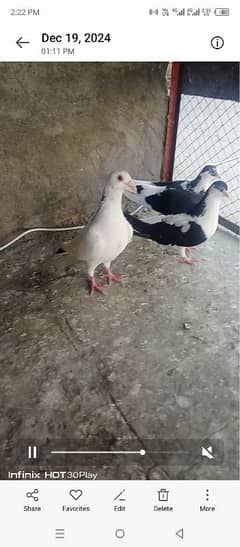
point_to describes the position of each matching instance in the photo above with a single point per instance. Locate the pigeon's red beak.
(226, 194)
(131, 187)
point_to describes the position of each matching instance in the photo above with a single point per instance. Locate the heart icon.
(76, 494)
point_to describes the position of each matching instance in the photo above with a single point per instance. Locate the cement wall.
(65, 127)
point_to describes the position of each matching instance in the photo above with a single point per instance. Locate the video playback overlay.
(62, 459)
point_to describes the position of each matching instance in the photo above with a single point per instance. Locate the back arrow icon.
(180, 533)
(19, 42)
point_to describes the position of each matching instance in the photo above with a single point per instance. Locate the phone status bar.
(189, 12)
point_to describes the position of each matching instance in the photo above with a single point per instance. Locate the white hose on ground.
(40, 229)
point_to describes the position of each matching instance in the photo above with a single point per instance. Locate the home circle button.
(120, 533)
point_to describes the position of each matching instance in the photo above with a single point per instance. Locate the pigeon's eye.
(120, 178)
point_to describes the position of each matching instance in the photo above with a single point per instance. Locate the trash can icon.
(163, 494)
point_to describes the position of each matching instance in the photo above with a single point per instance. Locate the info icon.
(217, 42)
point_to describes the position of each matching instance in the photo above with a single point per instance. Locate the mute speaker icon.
(208, 452)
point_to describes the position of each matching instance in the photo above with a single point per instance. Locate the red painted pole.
(172, 123)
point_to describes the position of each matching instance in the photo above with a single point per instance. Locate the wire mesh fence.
(208, 133)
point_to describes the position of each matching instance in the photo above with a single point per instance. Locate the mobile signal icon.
(181, 12)
(196, 12)
(178, 12)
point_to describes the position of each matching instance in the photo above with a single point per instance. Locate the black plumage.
(208, 174)
(175, 196)
(185, 229)
(173, 201)
(167, 234)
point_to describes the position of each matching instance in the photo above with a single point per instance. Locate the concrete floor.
(120, 366)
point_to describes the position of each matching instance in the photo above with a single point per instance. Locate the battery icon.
(222, 11)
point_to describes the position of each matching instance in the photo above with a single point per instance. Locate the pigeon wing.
(173, 201)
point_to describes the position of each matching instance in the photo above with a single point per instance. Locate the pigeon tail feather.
(142, 229)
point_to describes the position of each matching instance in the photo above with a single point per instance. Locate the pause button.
(32, 452)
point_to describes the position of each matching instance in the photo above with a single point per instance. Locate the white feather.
(105, 237)
(206, 180)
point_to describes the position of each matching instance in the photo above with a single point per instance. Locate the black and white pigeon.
(175, 196)
(170, 201)
(185, 230)
(106, 235)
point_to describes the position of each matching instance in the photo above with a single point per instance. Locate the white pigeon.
(106, 235)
